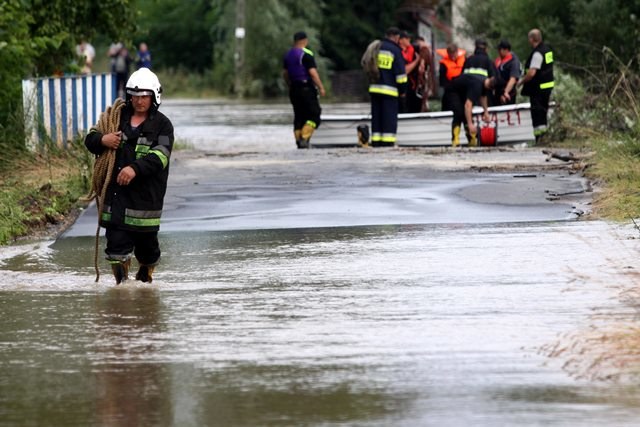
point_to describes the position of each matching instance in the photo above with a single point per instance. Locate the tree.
(177, 32)
(38, 38)
(578, 30)
(350, 25)
(270, 25)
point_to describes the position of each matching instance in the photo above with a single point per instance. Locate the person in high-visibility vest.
(384, 92)
(451, 66)
(538, 82)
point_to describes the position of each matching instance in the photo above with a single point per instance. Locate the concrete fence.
(62, 108)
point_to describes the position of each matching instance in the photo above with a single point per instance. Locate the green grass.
(37, 191)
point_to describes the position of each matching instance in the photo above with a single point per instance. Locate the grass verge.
(40, 193)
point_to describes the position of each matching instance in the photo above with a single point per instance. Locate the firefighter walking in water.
(301, 75)
(135, 194)
(384, 92)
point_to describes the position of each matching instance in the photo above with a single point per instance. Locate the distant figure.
(508, 72)
(474, 86)
(451, 66)
(300, 72)
(411, 64)
(120, 66)
(385, 90)
(537, 82)
(87, 53)
(425, 79)
(143, 59)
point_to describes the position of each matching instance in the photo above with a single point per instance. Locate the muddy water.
(382, 324)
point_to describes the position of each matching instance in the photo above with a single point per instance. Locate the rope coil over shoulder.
(109, 122)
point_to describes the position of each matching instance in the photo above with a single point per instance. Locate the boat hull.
(426, 129)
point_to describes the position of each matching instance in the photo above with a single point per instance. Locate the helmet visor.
(139, 92)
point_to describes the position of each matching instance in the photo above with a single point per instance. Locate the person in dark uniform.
(508, 73)
(385, 91)
(451, 66)
(301, 75)
(474, 85)
(538, 82)
(135, 195)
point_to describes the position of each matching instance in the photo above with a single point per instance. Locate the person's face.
(141, 104)
(503, 52)
(404, 42)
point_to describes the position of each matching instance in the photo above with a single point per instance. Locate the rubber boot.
(120, 270)
(297, 134)
(473, 140)
(455, 133)
(305, 136)
(144, 273)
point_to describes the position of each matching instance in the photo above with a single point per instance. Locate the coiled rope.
(109, 122)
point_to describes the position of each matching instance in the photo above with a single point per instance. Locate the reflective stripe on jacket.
(544, 76)
(147, 149)
(393, 77)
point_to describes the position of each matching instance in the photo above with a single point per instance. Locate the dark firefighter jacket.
(479, 65)
(137, 206)
(393, 75)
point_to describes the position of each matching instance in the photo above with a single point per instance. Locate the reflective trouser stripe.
(547, 85)
(384, 90)
(383, 137)
(539, 130)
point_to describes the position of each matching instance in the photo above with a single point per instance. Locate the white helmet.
(144, 82)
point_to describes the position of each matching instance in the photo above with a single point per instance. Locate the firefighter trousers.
(384, 120)
(143, 244)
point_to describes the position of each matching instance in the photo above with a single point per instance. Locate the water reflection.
(131, 387)
(390, 325)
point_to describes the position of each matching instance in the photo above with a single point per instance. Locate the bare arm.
(508, 88)
(468, 115)
(527, 77)
(412, 65)
(484, 101)
(313, 72)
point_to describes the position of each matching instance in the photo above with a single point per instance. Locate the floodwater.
(362, 320)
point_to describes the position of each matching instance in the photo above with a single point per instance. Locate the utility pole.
(239, 51)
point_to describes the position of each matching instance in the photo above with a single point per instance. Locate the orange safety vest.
(454, 68)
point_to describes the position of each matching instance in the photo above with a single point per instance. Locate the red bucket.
(488, 133)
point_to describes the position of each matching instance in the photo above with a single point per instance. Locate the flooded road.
(324, 287)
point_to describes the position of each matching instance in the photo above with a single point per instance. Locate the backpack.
(369, 61)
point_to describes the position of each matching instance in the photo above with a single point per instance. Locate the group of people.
(144, 139)
(402, 81)
(476, 80)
